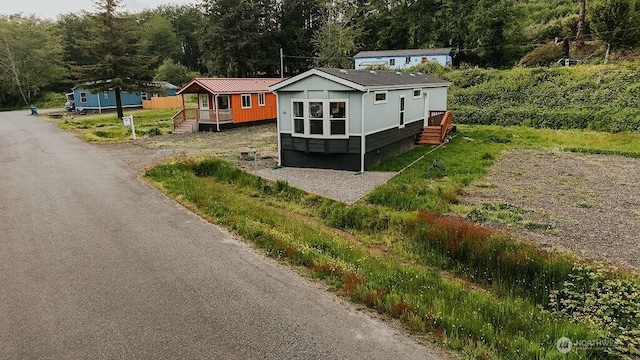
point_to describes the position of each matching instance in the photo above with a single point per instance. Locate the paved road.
(94, 263)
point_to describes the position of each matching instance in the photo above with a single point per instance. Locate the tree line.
(242, 38)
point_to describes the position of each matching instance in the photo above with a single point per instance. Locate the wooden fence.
(167, 102)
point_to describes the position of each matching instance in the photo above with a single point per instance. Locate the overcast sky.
(51, 9)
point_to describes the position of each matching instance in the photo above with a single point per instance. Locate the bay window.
(320, 118)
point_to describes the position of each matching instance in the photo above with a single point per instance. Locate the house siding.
(386, 115)
(255, 112)
(341, 154)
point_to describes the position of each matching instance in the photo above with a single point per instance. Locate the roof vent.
(344, 71)
(419, 73)
(412, 74)
(398, 72)
(372, 72)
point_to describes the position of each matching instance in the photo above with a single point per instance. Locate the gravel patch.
(345, 186)
(591, 202)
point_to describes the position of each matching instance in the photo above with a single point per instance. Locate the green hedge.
(604, 98)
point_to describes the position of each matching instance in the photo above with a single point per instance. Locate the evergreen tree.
(121, 64)
(299, 20)
(239, 38)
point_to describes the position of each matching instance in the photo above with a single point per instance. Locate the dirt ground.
(591, 203)
(229, 145)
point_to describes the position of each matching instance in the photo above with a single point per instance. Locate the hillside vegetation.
(603, 98)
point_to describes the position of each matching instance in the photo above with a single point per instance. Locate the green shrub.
(546, 54)
(597, 295)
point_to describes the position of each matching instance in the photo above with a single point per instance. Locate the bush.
(546, 54)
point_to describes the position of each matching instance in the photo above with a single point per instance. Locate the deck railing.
(210, 116)
(183, 115)
(446, 124)
(435, 118)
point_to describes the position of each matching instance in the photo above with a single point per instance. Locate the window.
(338, 118)
(298, 117)
(392, 62)
(106, 95)
(401, 112)
(246, 101)
(83, 97)
(417, 93)
(261, 100)
(320, 118)
(144, 96)
(380, 97)
(407, 60)
(316, 118)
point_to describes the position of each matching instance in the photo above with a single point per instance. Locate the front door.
(203, 106)
(426, 108)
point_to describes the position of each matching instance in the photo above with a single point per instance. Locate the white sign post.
(128, 121)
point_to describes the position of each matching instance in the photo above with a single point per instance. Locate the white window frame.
(242, 97)
(262, 101)
(326, 119)
(386, 97)
(419, 96)
(106, 95)
(83, 95)
(402, 114)
(392, 62)
(407, 60)
(144, 96)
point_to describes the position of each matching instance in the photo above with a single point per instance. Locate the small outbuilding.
(354, 119)
(402, 59)
(85, 100)
(225, 103)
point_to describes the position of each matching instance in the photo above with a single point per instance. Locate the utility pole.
(281, 64)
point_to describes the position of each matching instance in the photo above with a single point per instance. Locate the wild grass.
(402, 283)
(108, 128)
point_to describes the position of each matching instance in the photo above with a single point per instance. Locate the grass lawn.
(108, 128)
(481, 293)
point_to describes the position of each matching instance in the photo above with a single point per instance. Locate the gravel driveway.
(592, 202)
(345, 186)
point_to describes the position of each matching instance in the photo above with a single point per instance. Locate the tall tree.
(299, 20)
(582, 17)
(122, 64)
(30, 56)
(615, 22)
(159, 39)
(173, 73)
(239, 38)
(337, 40)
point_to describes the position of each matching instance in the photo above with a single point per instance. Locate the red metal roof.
(229, 85)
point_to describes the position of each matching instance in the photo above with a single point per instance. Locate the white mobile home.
(402, 59)
(353, 119)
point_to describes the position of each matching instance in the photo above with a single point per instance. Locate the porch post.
(184, 110)
(217, 112)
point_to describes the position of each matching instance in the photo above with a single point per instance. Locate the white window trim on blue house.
(326, 119)
(83, 95)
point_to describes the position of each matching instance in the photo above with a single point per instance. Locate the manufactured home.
(83, 100)
(354, 119)
(225, 103)
(401, 59)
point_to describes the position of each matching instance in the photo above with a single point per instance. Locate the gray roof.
(369, 78)
(406, 52)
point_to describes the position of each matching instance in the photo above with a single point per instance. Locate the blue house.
(85, 100)
(401, 59)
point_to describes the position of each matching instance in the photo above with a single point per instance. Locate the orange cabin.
(225, 103)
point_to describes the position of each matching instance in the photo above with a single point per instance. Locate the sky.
(51, 9)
